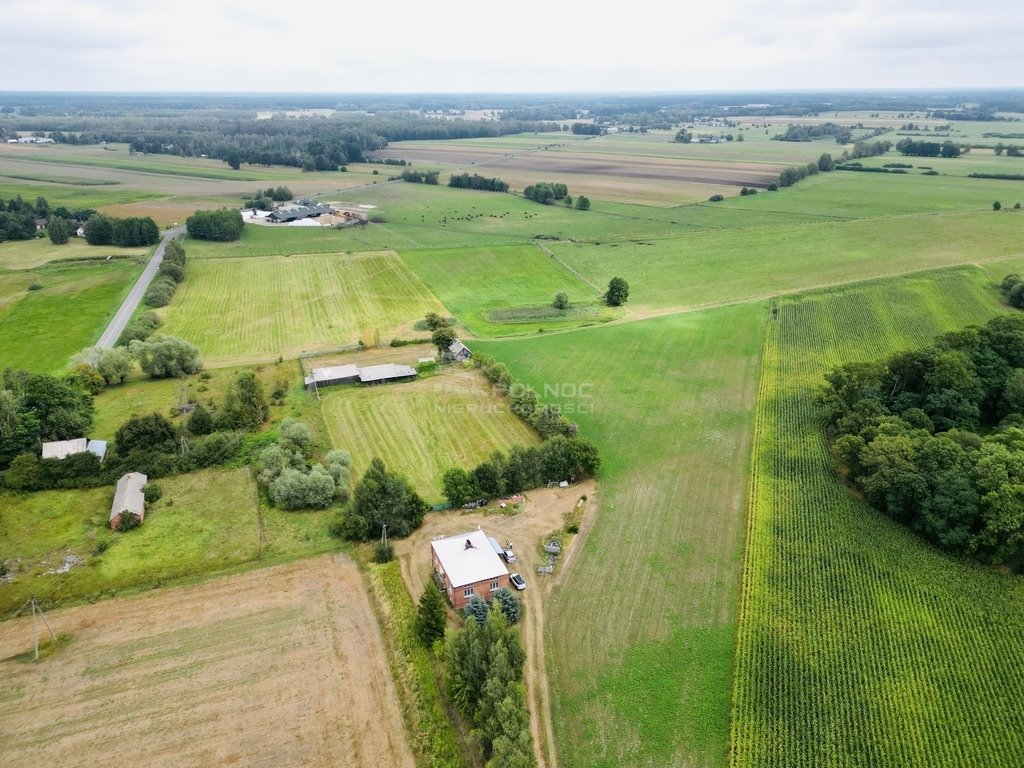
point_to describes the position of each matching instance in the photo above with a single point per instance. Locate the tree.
(561, 301)
(115, 364)
(99, 230)
(476, 609)
(294, 489)
(457, 486)
(433, 321)
(509, 604)
(826, 163)
(200, 422)
(234, 160)
(384, 498)
(431, 616)
(618, 292)
(166, 357)
(442, 339)
(245, 405)
(222, 225)
(582, 203)
(996, 205)
(25, 474)
(59, 230)
(152, 433)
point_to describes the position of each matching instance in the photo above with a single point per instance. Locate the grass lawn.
(206, 522)
(40, 330)
(859, 644)
(424, 427)
(640, 635)
(709, 267)
(258, 309)
(474, 281)
(26, 254)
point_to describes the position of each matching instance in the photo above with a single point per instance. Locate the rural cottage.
(468, 566)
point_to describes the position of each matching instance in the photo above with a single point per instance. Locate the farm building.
(468, 566)
(304, 209)
(128, 499)
(378, 374)
(334, 374)
(61, 449)
(459, 351)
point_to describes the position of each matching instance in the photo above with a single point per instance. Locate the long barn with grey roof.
(304, 209)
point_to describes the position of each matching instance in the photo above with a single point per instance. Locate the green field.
(474, 281)
(859, 644)
(205, 522)
(239, 310)
(40, 330)
(640, 634)
(26, 254)
(709, 267)
(424, 427)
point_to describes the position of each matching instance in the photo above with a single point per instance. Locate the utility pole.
(35, 625)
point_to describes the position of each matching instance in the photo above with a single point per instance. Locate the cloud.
(533, 45)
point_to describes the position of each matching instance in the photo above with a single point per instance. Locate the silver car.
(517, 581)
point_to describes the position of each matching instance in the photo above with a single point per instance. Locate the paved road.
(131, 301)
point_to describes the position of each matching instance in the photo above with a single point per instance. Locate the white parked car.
(509, 555)
(517, 581)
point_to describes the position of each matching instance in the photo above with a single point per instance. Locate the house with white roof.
(468, 567)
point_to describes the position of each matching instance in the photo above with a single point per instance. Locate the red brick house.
(468, 567)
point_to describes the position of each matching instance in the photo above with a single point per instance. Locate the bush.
(716, 198)
(35, 287)
(561, 301)
(152, 492)
(383, 552)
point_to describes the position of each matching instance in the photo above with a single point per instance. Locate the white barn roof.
(373, 373)
(59, 449)
(468, 558)
(129, 497)
(332, 373)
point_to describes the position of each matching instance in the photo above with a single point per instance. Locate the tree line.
(419, 177)
(170, 272)
(934, 437)
(476, 181)
(223, 225)
(129, 232)
(546, 192)
(913, 148)
(18, 219)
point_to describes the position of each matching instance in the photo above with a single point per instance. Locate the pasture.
(281, 666)
(242, 310)
(206, 522)
(859, 644)
(422, 428)
(474, 281)
(640, 633)
(41, 329)
(730, 265)
(26, 254)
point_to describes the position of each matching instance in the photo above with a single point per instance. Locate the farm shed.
(128, 498)
(334, 374)
(378, 374)
(468, 566)
(459, 351)
(304, 209)
(61, 449)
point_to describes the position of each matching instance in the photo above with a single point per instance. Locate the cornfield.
(858, 644)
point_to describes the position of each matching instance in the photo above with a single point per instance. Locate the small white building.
(61, 449)
(128, 499)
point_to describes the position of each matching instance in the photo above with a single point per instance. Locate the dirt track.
(277, 667)
(543, 512)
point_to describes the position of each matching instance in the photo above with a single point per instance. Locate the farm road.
(131, 302)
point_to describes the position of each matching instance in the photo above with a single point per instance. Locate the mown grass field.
(245, 310)
(206, 522)
(473, 281)
(860, 645)
(424, 427)
(40, 330)
(26, 254)
(641, 632)
(717, 266)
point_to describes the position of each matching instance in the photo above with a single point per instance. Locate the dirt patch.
(283, 666)
(543, 512)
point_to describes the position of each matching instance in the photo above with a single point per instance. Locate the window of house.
(467, 592)
(494, 586)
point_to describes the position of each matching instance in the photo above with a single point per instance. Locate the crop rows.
(858, 644)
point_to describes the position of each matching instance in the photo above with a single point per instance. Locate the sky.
(526, 46)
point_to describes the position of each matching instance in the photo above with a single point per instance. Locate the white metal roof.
(373, 373)
(58, 449)
(468, 558)
(129, 497)
(332, 373)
